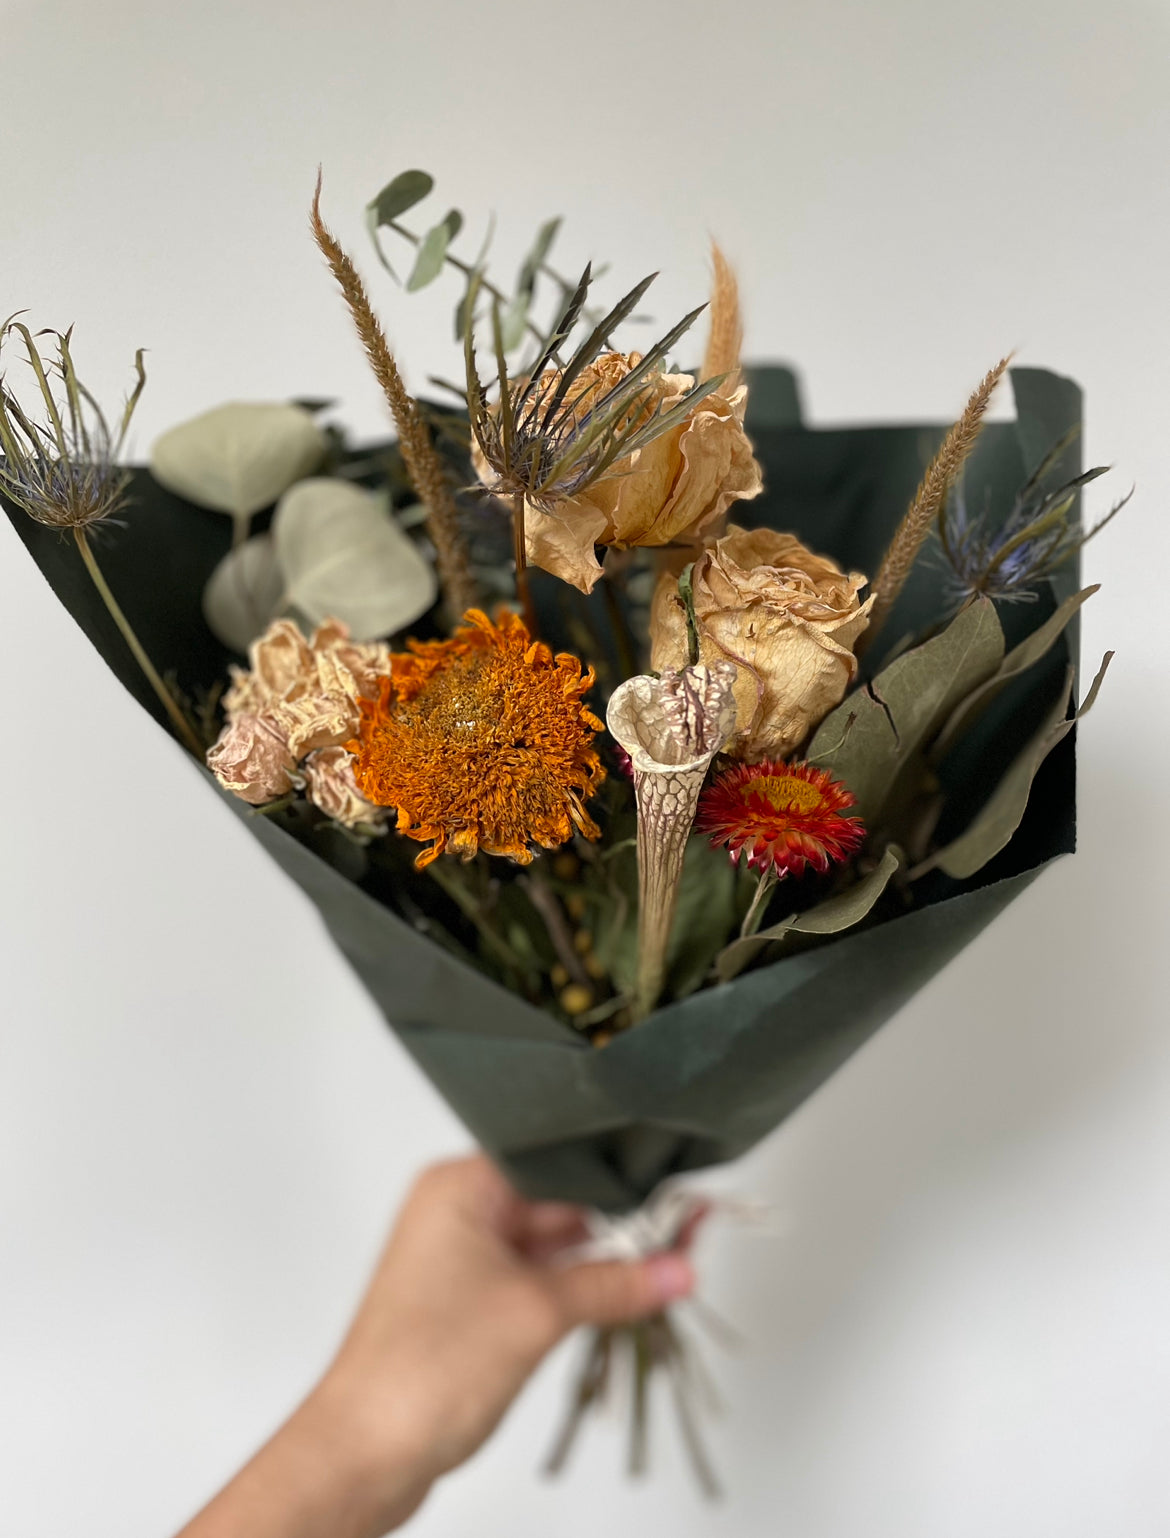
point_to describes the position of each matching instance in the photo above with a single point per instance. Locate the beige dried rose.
(787, 618)
(301, 693)
(671, 491)
(330, 785)
(310, 687)
(252, 758)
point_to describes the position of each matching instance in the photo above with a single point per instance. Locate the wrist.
(380, 1462)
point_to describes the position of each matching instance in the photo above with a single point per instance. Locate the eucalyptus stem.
(755, 914)
(178, 720)
(520, 552)
(468, 272)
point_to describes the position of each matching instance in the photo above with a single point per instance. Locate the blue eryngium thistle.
(62, 469)
(1040, 533)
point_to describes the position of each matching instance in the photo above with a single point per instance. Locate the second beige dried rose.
(786, 617)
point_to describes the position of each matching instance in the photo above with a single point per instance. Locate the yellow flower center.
(784, 792)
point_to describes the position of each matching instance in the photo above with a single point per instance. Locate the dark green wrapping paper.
(702, 1079)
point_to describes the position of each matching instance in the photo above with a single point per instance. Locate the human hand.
(467, 1297)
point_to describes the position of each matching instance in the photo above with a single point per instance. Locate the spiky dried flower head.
(482, 742)
(781, 817)
(1042, 531)
(60, 463)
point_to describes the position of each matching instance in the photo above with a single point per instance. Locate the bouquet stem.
(183, 727)
(652, 1346)
(520, 553)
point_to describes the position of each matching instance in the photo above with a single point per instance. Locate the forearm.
(317, 1478)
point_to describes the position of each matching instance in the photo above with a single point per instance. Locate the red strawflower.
(783, 817)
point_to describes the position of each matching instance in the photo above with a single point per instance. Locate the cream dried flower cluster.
(290, 715)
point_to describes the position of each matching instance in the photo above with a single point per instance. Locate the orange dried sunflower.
(481, 742)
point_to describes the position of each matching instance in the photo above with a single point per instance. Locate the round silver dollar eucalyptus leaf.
(240, 457)
(343, 555)
(244, 592)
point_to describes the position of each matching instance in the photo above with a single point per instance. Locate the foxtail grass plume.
(423, 464)
(920, 517)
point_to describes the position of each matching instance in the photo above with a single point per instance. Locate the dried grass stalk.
(725, 339)
(928, 499)
(425, 468)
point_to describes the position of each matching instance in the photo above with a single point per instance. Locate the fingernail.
(672, 1276)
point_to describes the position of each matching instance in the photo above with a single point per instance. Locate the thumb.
(620, 1291)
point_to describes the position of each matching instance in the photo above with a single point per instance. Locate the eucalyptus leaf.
(244, 592)
(994, 826)
(240, 457)
(343, 555)
(881, 728)
(1030, 650)
(407, 189)
(514, 321)
(827, 918)
(432, 251)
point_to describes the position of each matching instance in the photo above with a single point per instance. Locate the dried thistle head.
(551, 432)
(1040, 533)
(62, 470)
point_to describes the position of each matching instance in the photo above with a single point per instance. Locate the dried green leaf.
(432, 251)
(343, 555)
(878, 730)
(244, 593)
(240, 457)
(827, 918)
(993, 827)
(407, 189)
(1018, 660)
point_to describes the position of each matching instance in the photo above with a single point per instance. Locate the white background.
(204, 1127)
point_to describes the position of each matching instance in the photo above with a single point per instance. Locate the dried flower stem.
(422, 462)
(520, 552)
(753, 918)
(544, 900)
(183, 727)
(928, 499)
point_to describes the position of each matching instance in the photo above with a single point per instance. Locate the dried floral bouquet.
(634, 802)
